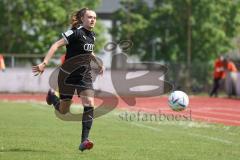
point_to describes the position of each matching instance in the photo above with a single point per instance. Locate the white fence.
(17, 80)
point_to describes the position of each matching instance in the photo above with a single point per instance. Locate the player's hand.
(39, 69)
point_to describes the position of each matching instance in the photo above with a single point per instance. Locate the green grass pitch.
(32, 131)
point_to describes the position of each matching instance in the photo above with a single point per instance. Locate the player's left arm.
(99, 63)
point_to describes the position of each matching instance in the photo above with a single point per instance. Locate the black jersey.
(79, 41)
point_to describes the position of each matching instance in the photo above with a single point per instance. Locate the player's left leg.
(87, 97)
(61, 104)
(65, 105)
(52, 99)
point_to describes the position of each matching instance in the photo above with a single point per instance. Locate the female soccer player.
(79, 40)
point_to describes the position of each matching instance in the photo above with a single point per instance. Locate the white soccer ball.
(76, 109)
(178, 100)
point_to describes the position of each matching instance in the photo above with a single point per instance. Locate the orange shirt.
(218, 69)
(2, 63)
(231, 67)
(63, 58)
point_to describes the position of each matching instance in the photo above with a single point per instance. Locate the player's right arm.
(40, 68)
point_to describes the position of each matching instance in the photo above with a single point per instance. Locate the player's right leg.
(87, 96)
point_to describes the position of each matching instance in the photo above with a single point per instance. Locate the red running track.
(213, 110)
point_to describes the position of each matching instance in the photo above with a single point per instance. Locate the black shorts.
(78, 81)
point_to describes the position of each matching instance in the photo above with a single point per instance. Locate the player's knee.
(88, 101)
(64, 106)
(63, 111)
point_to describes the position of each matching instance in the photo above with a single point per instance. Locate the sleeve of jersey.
(70, 36)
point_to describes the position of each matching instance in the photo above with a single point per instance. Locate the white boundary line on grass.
(212, 119)
(211, 138)
(216, 113)
(190, 134)
(235, 110)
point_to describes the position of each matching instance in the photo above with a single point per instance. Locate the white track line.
(192, 111)
(235, 110)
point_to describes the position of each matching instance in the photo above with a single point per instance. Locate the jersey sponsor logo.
(68, 33)
(88, 47)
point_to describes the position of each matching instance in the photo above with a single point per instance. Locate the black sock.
(56, 102)
(87, 121)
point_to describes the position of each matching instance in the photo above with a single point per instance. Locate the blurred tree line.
(31, 26)
(179, 30)
(187, 35)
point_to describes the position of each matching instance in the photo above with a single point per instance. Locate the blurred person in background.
(223, 66)
(229, 65)
(2, 63)
(218, 75)
(231, 76)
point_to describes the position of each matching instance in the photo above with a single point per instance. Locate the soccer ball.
(178, 100)
(75, 109)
